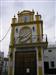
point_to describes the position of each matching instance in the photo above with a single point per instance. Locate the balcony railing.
(39, 38)
(34, 39)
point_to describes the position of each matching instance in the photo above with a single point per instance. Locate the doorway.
(25, 63)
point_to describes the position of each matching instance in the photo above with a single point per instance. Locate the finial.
(14, 15)
(18, 12)
(40, 16)
(14, 19)
(46, 38)
(37, 13)
(33, 10)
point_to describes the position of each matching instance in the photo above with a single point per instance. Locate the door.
(25, 63)
(46, 67)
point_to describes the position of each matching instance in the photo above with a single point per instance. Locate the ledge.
(25, 23)
(39, 44)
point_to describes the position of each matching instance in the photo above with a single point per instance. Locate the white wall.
(50, 56)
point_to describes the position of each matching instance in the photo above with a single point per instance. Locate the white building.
(27, 44)
(5, 67)
(50, 60)
(1, 61)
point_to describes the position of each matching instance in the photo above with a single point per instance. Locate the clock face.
(25, 34)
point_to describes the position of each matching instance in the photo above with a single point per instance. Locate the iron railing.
(34, 38)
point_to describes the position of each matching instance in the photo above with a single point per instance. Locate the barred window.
(52, 63)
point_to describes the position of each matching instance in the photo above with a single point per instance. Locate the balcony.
(36, 41)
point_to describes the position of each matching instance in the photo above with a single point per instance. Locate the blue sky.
(46, 8)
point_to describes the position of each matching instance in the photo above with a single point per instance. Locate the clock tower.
(26, 45)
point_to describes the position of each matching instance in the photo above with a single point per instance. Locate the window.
(52, 64)
(26, 18)
(33, 28)
(46, 67)
(27, 70)
(49, 50)
(16, 30)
